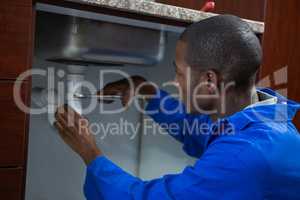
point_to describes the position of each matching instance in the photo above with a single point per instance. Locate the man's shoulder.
(238, 157)
(261, 144)
(237, 147)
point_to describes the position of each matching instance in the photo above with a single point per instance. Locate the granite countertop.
(151, 8)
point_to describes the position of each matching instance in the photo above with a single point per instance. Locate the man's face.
(192, 83)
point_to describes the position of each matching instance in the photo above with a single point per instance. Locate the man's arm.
(167, 111)
(229, 169)
(171, 114)
(219, 174)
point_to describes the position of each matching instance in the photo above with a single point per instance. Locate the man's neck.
(234, 103)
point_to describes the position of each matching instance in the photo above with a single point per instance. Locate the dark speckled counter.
(151, 8)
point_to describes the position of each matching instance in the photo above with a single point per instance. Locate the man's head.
(221, 50)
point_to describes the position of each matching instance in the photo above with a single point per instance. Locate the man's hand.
(74, 130)
(128, 88)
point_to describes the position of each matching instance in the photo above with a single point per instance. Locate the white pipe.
(75, 79)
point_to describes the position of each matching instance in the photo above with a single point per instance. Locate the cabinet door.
(12, 126)
(11, 184)
(281, 48)
(16, 37)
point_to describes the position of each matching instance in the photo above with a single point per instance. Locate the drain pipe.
(75, 78)
(161, 45)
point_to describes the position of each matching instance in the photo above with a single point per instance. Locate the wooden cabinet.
(281, 46)
(248, 9)
(16, 37)
(11, 183)
(16, 47)
(254, 9)
(13, 126)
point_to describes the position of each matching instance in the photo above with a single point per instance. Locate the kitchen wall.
(55, 172)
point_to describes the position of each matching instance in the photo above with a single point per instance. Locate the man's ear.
(212, 81)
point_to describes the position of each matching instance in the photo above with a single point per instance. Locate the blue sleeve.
(191, 130)
(217, 175)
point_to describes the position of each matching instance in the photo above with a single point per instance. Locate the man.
(250, 148)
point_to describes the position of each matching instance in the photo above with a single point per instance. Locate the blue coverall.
(256, 155)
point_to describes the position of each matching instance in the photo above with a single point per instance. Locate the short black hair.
(225, 44)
